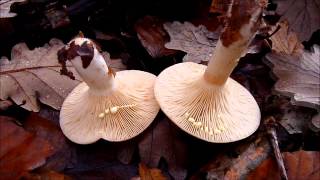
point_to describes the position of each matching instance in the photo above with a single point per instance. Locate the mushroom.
(203, 100)
(114, 107)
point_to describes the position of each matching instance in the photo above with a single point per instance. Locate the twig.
(270, 124)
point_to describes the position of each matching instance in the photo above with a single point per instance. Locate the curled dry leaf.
(20, 151)
(299, 165)
(150, 174)
(197, 42)
(153, 37)
(303, 16)
(33, 75)
(162, 142)
(298, 77)
(5, 8)
(285, 41)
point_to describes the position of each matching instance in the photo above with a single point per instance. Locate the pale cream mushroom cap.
(211, 113)
(79, 116)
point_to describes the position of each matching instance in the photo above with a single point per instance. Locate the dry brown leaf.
(197, 42)
(162, 142)
(64, 153)
(5, 8)
(20, 151)
(298, 77)
(47, 175)
(303, 16)
(33, 75)
(228, 168)
(285, 41)
(220, 6)
(150, 174)
(153, 37)
(299, 165)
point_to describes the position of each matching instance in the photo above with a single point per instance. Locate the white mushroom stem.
(225, 57)
(96, 75)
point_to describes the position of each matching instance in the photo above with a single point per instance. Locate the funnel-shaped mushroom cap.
(213, 113)
(112, 107)
(122, 115)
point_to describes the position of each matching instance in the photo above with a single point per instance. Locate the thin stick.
(270, 124)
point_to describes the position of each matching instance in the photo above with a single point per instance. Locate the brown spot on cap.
(85, 51)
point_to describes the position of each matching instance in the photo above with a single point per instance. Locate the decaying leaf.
(220, 6)
(150, 174)
(162, 142)
(298, 77)
(5, 8)
(303, 16)
(226, 167)
(286, 41)
(33, 75)
(197, 42)
(295, 120)
(64, 153)
(153, 37)
(20, 151)
(299, 165)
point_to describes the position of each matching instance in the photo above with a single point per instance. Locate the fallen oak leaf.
(299, 165)
(303, 16)
(153, 37)
(150, 174)
(198, 42)
(161, 141)
(286, 41)
(35, 74)
(64, 153)
(298, 77)
(5, 8)
(225, 167)
(20, 151)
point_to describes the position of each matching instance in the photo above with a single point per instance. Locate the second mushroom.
(203, 100)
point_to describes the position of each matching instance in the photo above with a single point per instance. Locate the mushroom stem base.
(212, 113)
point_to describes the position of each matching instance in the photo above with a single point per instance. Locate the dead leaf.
(303, 16)
(285, 41)
(20, 151)
(5, 8)
(161, 141)
(153, 36)
(220, 6)
(150, 174)
(299, 165)
(35, 74)
(298, 77)
(64, 153)
(47, 175)
(228, 168)
(197, 42)
(295, 119)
